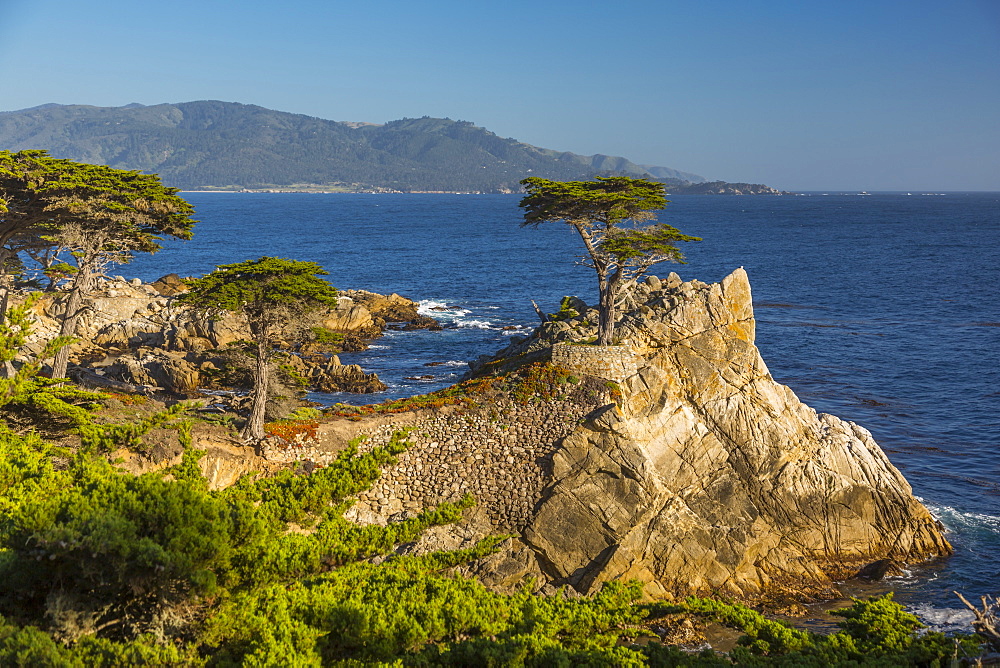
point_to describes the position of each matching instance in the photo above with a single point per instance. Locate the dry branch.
(987, 623)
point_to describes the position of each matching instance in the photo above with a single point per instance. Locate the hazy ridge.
(212, 144)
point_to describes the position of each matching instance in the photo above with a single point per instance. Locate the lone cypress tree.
(608, 214)
(275, 298)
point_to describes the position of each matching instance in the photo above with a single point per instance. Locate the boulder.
(349, 317)
(391, 308)
(158, 368)
(423, 322)
(169, 285)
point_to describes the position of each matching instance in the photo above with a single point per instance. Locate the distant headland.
(228, 146)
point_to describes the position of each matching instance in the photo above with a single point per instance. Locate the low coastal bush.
(875, 632)
(292, 431)
(536, 382)
(90, 549)
(325, 336)
(462, 394)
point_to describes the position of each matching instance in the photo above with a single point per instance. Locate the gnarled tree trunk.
(606, 310)
(253, 430)
(82, 286)
(609, 285)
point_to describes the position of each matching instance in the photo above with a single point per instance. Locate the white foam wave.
(944, 619)
(424, 304)
(436, 309)
(474, 324)
(454, 363)
(954, 519)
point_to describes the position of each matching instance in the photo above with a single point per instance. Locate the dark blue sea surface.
(882, 309)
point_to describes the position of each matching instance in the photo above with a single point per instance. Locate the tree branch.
(987, 622)
(541, 314)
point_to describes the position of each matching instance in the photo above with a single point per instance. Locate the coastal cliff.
(710, 476)
(693, 471)
(673, 457)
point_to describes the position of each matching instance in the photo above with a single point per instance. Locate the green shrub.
(876, 632)
(111, 549)
(326, 336)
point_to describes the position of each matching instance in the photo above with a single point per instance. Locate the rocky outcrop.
(705, 476)
(390, 309)
(350, 317)
(169, 285)
(139, 334)
(710, 476)
(327, 374)
(225, 461)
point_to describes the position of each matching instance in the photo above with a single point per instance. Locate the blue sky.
(882, 94)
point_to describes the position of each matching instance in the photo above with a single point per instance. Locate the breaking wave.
(944, 620)
(963, 522)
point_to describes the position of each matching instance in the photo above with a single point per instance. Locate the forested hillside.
(208, 144)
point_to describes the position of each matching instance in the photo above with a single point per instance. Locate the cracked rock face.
(710, 477)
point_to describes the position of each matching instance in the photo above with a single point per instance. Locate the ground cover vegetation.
(531, 382)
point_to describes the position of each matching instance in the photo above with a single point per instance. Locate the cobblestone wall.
(614, 363)
(502, 455)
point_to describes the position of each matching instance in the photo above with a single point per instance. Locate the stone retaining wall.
(502, 455)
(615, 363)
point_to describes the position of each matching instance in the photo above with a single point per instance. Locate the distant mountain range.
(227, 145)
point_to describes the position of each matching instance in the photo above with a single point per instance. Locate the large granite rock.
(169, 285)
(349, 317)
(708, 476)
(327, 374)
(157, 368)
(390, 308)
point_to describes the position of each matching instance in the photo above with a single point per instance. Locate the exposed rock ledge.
(139, 334)
(707, 476)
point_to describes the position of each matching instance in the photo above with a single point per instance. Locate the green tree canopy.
(608, 214)
(275, 297)
(101, 215)
(40, 195)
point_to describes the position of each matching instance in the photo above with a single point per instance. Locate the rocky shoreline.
(137, 337)
(672, 458)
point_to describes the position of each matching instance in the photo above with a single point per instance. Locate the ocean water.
(882, 309)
